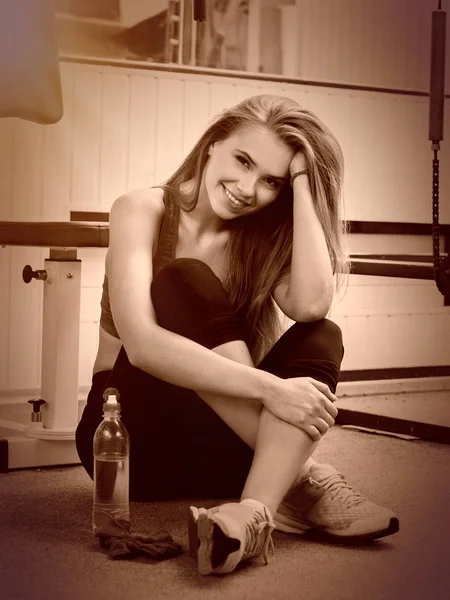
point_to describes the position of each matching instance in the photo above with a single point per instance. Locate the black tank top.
(165, 253)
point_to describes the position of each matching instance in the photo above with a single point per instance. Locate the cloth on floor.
(116, 537)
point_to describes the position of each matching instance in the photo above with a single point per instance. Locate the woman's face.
(246, 171)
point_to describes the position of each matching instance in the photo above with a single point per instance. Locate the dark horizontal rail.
(395, 228)
(382, 268)
(84, 215)
(354, 227)
(422, 258)
(372, 227)
(54, 234)
(81, 234)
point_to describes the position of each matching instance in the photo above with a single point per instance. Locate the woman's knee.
(189, 299)
(181, 275)
(312, 349)
(182, 285)
(321, 338)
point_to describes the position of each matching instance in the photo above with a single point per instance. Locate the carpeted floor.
(48, 552)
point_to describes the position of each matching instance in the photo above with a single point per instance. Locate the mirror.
(164, 31)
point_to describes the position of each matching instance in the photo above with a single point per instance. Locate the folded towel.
(116, 536)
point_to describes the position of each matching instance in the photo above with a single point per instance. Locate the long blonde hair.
(259, 249)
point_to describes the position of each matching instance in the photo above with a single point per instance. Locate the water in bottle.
(111, 467)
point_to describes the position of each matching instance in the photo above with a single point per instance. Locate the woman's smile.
(250, 166)
(234, 201)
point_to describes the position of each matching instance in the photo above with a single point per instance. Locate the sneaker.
(326, 502)
(223, 536)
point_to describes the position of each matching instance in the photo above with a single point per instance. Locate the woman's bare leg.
(282, 451)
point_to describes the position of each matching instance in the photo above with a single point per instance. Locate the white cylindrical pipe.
(60, 344)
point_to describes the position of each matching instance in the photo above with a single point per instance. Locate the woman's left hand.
(298, 163)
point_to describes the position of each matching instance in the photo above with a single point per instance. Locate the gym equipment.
(29, 65)
(441, 264)
(49, 437)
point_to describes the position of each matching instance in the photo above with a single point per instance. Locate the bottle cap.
(111, 396)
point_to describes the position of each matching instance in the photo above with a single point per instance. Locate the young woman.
(218, 401)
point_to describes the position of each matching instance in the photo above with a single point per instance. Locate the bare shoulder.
(140, 202)
(134, 223)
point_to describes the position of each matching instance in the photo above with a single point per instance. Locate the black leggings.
(179, 446)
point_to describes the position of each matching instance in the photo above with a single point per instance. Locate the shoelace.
(339, 488)
(258, 536)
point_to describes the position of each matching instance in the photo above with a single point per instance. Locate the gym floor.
(48, 549)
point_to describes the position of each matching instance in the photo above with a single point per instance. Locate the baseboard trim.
(395, 373)
(384, 424)
(392, 386)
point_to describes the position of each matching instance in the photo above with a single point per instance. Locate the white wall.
(125, 127)
(384, 43)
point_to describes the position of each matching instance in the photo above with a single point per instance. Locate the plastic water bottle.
(111, 466)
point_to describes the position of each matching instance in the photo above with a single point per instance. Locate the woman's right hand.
(305, 403)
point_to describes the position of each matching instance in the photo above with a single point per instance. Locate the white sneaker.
(223, 536)
(323, 500)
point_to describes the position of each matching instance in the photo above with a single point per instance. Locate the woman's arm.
(306, 294)
(135, 221)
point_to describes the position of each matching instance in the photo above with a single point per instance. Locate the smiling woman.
(197, 273)
(282, 139)
(247, 176)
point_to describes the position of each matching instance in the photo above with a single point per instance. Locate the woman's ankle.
(266, 502)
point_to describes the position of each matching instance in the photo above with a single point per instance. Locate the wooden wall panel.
(87, 353)
(5, 297)
(365, 293)
(142, 131)
(57, 158)
(195, 112)
(25, 321)
(246, 89)
(26, 196)
(222, 95)
(169, 126)
(7, 127)
(86, 144)
(114, 136)
(444, 155)
(127, 128)
(389, 244)
(6, 183)
(394, 340)
(92, 272)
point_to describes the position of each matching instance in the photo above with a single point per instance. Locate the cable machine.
(436, 135)
(396, 266)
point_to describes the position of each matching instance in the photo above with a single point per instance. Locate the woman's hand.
(298, 165)
(305, 403)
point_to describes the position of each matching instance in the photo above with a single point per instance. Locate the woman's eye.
(272, 183)
(243, 161)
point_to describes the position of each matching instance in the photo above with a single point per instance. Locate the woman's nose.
(246, 186)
